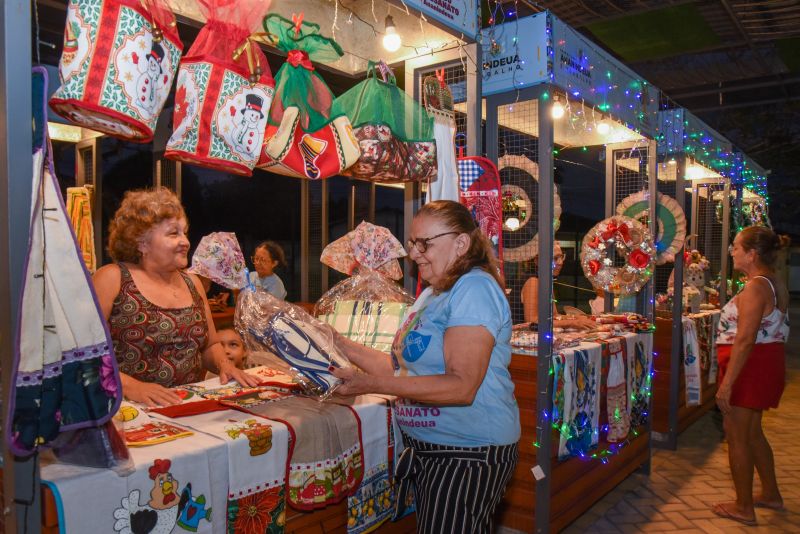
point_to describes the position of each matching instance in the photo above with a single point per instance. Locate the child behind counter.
(234, 349)
(267, 257)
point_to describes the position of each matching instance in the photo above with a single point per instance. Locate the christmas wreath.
(520, 243)
(618, 255)
(671, 222)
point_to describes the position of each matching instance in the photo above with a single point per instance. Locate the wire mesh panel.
(629, 173)
(709, 226)
(663, 272)
(518, 156)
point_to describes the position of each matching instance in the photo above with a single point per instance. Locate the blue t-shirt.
(270, 283)
(493, 417)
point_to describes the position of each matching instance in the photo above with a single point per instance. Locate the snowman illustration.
(148, 84)
(247, 136)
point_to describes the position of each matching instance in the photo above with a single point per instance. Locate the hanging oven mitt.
(304, 138)
(117, 66)
(65, 376)
(224, 90)
(394, 132)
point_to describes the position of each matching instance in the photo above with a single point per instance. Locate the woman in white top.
(752, 331)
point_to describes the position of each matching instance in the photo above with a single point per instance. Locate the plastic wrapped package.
(367, 308)
(102, 446)
(304, 344)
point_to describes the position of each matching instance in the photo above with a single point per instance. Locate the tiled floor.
(683, 483)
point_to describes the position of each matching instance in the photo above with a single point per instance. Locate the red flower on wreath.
(255, 511)
(639, 259)
(594, 266)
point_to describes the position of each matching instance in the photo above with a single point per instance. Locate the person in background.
(158, 315)
(268, 257)
(449, 370)
(753, 328)
(234, 348)
(530, 298)
(597, 304)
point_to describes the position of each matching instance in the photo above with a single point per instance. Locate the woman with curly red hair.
(158, 315)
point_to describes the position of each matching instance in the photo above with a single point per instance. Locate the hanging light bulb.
(557, 111)
(512, 224)
(603, 128)
(391, 40)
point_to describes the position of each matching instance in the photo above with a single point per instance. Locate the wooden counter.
(662, 346)
(576, 484)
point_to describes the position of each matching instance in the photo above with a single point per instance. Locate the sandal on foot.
(779, 507)
(720, 510)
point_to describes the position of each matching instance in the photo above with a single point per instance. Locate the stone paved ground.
(683, 483)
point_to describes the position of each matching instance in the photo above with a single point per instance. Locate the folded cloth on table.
(326, 462)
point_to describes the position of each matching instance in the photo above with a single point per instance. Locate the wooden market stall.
(545, 86)
(424, 30)
(693, 159)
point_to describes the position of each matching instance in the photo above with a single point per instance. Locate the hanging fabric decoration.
(523, 191)
(394, 132)
(691, 362)
(619, 417)
(224, 90)
(628, 240)
(439, 103)
(64, 376)
(671, 222)
(479, 190)
(305, 138)
(79, 208)
(117, 66)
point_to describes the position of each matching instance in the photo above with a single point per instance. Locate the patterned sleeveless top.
(774, 327)
(155, 344)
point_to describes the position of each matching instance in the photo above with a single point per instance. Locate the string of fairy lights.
(616, 98)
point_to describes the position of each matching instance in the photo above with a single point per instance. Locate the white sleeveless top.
(774, 327)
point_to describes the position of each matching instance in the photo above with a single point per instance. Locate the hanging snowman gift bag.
(224, 91)
(117, 66)
(304, 138)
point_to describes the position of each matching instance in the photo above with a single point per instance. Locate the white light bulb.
(557, 111)
(672, 162)
(391, 40)
(603, 128)
(512, 223)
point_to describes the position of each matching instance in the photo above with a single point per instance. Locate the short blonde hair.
(139, 212)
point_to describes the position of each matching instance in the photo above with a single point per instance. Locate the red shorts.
(763, 377)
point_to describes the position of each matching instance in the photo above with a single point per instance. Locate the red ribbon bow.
(594, 266)
(622, 231)
(298, 21)
(299, 58)
(440, 77)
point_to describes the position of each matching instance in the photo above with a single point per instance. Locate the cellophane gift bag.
(224, 90)
(278, 331)
(117, 66)
(395, 133)
(305, 139)
(367, 307)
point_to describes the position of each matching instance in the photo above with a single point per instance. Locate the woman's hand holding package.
(354, 382)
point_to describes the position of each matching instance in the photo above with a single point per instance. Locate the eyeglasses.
(256, 259)
(559, 258)
(422, 243)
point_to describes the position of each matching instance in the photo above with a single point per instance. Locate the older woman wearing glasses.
(449, 370)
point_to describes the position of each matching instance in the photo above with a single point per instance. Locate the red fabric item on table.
(763, 377)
